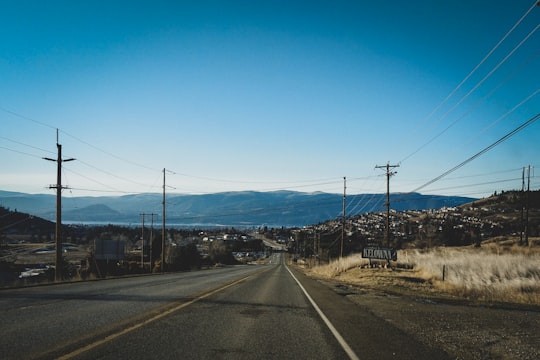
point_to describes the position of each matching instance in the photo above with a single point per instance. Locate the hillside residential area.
(27, 242)
(470, 224)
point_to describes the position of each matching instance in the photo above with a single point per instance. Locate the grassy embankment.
(498, 271)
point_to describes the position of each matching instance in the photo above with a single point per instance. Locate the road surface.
(238, 312)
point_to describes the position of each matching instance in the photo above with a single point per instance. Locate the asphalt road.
(241, 312)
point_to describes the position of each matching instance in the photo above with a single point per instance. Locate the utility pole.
(388, 175)
(522, 222)
(149, 242)
(142, 241)
(319, 254)
(525, 190)
(151, 239)
(163, 228)
(315, 243)
(343, 215)
(58, 228)
(527, 206)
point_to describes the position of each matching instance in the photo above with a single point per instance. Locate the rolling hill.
(242, 208)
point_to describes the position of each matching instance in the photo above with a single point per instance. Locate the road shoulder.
(370, 336)
(457, 327)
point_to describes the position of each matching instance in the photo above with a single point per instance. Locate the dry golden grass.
(496, 272)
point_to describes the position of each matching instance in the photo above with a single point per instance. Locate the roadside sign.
(379, 253)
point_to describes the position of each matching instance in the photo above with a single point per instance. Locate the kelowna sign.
(379, 253)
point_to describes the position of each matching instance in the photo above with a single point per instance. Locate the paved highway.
(241, 312)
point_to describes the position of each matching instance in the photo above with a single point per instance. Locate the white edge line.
(336, 334)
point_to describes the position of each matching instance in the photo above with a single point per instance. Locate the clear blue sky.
(268, 95)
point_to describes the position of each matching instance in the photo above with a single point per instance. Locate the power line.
(479, 83)
(359, 202)
(111, 174)
(469, 93)
(27, 145)
(473, 107)
(483, 60)
(107, 191)
(78, 139)
(27, 118)
(473, 185)
(315, 182)
(111, 154)
(513, 170)
(20, 152)
(306, 183)
(95, 181)
(505, 137)
(510, 111)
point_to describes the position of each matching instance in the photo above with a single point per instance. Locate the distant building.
(109, 249)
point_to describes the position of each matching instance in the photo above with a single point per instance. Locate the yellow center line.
(154, 318)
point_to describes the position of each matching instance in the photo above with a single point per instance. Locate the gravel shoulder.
(463, 328)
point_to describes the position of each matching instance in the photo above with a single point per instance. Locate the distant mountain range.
(241, 209)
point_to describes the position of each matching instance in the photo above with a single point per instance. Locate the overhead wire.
(95, 181)
(26, 118)
(483, 151)
(378, 205)
(299, 186)
(365, 204)
(351, 209)
(16, 114)
(110, 153)
(474, 88)
(514, 49)
(111, 174)
(521, 103)
(27, 145)
(78, 160)
(301, 183)
(503, 116)
(306, 183)
(128, 161)
(20, 152)
(477, 184)
(472, 108)
(487, 56)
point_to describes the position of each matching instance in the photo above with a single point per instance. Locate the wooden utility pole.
(319, 253)
(163, 228)
(142, 242)
(151, 239)
(522, 222)
(343, 215)
(58, 228)
(527, 206)
(388, 175)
